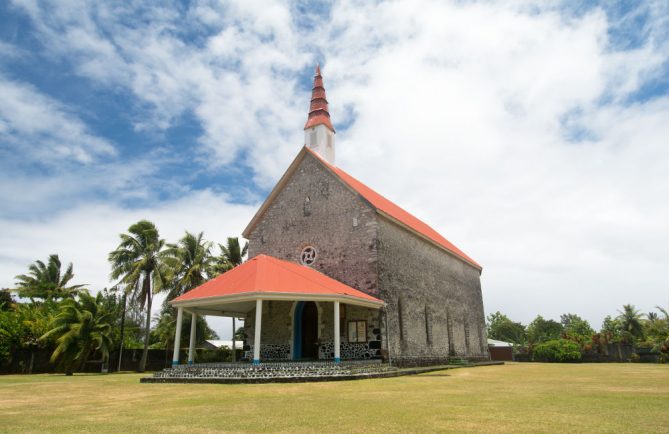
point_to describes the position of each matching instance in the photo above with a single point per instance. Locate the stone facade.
(277, 331)
(434, 304)
(316, 209)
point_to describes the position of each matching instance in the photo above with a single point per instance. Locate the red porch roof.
(265, 274)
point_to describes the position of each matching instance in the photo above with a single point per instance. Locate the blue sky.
(549, 116)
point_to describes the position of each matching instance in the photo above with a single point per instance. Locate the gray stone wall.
(276, 334)
(436, 296)
(435, 307)
(276, 326)
(317, 209)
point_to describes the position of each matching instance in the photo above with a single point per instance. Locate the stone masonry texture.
(434, 303)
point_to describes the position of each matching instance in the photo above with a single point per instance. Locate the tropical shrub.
(22, 326)
(82, 327)
(577, 329)
(543, 330)
(557, 350)
(500, 327)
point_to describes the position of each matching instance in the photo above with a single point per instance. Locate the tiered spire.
(318, 111)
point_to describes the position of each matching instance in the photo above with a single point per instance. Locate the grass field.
(515, 397)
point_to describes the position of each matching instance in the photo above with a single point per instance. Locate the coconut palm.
(46, 281)
(664, 312)
(137, 263)
(187, 264)
(630, 320)
(232, 254)
(81, 327)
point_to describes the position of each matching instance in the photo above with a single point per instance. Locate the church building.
(338, 272)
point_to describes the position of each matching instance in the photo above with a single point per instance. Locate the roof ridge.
(357, 186)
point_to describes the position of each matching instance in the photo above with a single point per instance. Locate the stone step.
(272, 370)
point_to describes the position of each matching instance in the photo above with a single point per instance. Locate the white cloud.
(466, 128)
(42, 129)
(240, 83)
(508, 126)
(86, 235)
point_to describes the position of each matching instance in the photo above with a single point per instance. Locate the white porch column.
(234, 349)
(177, 337)
(337, 333)
(256, 340)
(191, 343)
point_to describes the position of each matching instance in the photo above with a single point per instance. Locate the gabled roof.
(267, 277)
(395, 212)
(382, 205)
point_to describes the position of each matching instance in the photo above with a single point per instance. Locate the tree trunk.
(147, 329)
(32, 361)
(120, 349)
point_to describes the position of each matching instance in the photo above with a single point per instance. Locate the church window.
(428, 325)
(308, 255)
(313, 138)
(355, 222)
(400, 318)
(467, 336)
(329, 141)
(449, 329)
(306, 208)
(357, 331)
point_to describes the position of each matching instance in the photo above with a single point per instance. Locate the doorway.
(305, 339)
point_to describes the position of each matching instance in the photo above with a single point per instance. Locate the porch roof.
(268, 278)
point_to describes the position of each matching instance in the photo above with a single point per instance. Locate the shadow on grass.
(432, 375)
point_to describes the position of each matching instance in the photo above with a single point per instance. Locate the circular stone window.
(308, 255)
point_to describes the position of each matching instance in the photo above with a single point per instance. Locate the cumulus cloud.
(524, 131)
(239, 78)
(43, 129)
(519, 142)
(85, 235)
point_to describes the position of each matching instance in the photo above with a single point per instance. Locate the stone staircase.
(272, 372)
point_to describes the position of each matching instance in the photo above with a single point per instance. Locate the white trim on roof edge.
(279, 296)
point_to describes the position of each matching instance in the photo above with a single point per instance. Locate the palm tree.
(136, 261)
(46, 281)
(630, 319)
(232, 254)
(664, 312)
(188, 264)
(82, 327)
(652, 316)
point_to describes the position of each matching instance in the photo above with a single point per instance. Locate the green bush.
(557, 350)
(223, 354)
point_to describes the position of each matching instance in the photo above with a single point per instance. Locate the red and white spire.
(318, 131)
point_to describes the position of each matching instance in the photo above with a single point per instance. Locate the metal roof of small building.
(496, 343)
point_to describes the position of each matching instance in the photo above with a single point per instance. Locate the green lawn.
(515, 397)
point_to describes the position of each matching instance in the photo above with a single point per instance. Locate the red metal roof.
(266, 274)
(318, 110)
(394, 211)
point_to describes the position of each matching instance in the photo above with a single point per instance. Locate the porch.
(291, 312)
